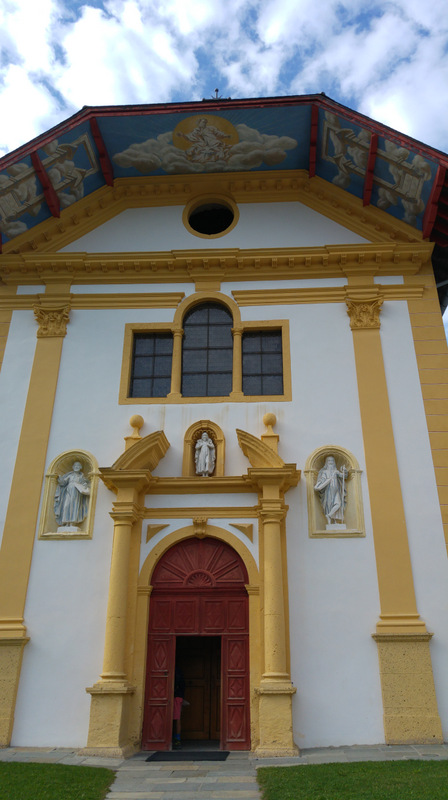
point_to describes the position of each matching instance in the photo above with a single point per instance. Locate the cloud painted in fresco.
(251, 151)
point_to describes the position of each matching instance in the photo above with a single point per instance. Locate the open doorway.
(199, 658)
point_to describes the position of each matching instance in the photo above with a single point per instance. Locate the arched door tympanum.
(198, 590)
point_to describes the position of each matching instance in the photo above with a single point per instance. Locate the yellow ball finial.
(136, 422)
(269, 420)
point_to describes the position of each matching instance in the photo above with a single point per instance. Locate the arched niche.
(192, 435)
(60, 468)
(353, 524)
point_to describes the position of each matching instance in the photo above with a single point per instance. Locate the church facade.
(225, 447)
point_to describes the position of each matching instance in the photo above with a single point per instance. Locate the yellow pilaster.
(275, 690)
(403, 641)
(21, 517)
(109, 711)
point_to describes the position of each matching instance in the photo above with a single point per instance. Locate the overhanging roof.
(378, 165)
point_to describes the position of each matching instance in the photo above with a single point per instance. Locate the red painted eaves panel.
(51, 198)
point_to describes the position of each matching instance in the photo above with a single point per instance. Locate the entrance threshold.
(200, 744)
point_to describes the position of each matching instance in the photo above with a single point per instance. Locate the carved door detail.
(198, 590)
(159, 692)
(235, 652)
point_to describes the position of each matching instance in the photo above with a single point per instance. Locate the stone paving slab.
(233, 779)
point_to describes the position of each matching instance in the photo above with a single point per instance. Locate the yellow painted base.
(11, 652)
(108, 728)
(275, 720)
(407, 684)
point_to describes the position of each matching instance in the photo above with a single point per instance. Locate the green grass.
(19, 781)
(373, 780)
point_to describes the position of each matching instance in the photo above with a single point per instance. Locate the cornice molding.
(199, 485)
(211, 512)
(243, 297)
(243, 187)
(327, 294)
(98, 300)
(180, 266)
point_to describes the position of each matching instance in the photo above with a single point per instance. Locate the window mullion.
(237, 371)
(176, 364)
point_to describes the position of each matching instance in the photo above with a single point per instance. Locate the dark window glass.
(211, 218)
(151, 365)
(262, 362)
(207, 352)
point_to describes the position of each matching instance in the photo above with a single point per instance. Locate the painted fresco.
(22, 201)
(207, 143)
(235, 140)
(401, 181)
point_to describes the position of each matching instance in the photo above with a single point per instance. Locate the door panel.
(159, 693)
(235, 700)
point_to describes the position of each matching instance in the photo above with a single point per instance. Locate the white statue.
(71, 498)
(204, 456)
(332, 492)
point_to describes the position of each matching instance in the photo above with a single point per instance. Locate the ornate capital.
(52, 321)
(364, 313)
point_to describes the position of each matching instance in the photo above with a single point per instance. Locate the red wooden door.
(198, 589)
(159, 693)
(235, 700)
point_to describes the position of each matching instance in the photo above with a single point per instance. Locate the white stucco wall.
(260, 225)
(333, 593)
(421, 503)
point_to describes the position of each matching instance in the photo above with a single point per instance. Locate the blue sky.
(388, 59)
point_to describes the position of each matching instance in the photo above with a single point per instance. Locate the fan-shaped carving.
(145, 454)
(199, 562)
(258, 453)
(199, 578)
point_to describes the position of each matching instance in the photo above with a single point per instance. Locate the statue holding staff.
(332, 492)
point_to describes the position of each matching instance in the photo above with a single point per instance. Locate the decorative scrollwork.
(52, 321)
(364, 313)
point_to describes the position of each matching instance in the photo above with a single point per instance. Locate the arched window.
(207, 351)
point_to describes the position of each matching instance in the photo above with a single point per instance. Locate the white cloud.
(207, 152)
(389, 59)
(31, 108)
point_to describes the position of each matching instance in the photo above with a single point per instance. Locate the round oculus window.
(211, 219)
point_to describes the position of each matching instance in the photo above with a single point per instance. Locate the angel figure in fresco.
(207, 143)
(71, 499)
(332, 492)
(204, 456)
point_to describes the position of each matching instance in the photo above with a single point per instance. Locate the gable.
(288, 224)
(99, 146)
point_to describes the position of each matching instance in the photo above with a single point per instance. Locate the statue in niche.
(333, 493)
(71, 498)
(204, 455)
